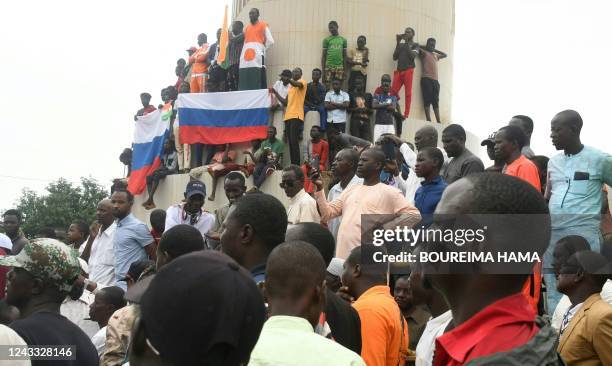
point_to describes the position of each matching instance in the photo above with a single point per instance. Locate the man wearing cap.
(42, 276)
(190, 211)
(218, 324)
(498, 165)
(132, 240)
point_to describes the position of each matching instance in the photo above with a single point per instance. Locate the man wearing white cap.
(334, 271)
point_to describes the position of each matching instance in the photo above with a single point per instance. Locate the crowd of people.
(337, 93)
(258, 283)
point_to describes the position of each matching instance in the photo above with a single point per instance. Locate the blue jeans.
(322, 115)
(592, 236)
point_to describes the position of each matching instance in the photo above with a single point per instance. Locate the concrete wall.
(299, 27)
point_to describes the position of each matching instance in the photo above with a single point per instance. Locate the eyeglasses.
(287, 184)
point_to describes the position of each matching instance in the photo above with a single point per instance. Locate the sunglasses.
(287, 184)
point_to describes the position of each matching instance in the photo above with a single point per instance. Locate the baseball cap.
(5, 242)
(286, 72)
(199, 302)
(335, 266)
(191, 49)
(489, 140)
(48, 259)
(195, 187)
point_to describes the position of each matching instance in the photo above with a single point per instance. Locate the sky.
(71, 73)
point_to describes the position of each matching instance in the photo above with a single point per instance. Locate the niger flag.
(222, 58)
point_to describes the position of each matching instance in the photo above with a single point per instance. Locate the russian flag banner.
(150, 133)
(222, 118)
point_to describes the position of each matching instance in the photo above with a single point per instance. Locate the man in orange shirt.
(257, 39)
(199, 66)
(384, 331)
(509, 141)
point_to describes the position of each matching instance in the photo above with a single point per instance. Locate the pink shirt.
(360, 200)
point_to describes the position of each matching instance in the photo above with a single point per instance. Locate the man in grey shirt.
(463, 162)
(526, 124)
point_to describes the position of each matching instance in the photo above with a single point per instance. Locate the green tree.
(63, 203)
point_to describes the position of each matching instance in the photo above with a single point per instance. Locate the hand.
(315, 178)
(80, 281)
(94, 229)
(271, 90)
(343, 293)
(392, 167)
(398, 37)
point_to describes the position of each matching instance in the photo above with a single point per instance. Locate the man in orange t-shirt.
(383, 327)
(509, 141)
(199, 68)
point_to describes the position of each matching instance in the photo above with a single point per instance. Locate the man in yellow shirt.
(294, 114)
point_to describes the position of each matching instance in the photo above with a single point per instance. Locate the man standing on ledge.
(294, 114)
(404, 54)
(430, 87)
(371, 197)
(199, 68)
(257, 39)
(334, 56)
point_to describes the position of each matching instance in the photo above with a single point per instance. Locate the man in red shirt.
(316, 151)
(509, 142)
(147, 108)
(490, 314)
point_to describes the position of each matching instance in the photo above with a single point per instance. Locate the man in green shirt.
(334, 55)
(276, 145)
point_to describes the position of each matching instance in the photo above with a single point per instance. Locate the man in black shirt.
(41, 277)
(315, 98)
(360, 106)
(404, 54)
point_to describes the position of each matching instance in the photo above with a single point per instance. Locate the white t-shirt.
(282, 89)
(99, 341)
(9, 337)
(102, 257)
(77, 311)
(427, 343)
(337, 115)
(175, 215)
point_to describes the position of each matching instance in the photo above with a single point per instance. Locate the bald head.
(565, 130)
(426, 137)
(569, 117)
(104, 213)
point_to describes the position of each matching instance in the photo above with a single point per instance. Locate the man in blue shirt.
(428, 164)
(132, 241)
(574, 188)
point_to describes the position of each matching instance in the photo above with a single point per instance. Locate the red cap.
(192, 49)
